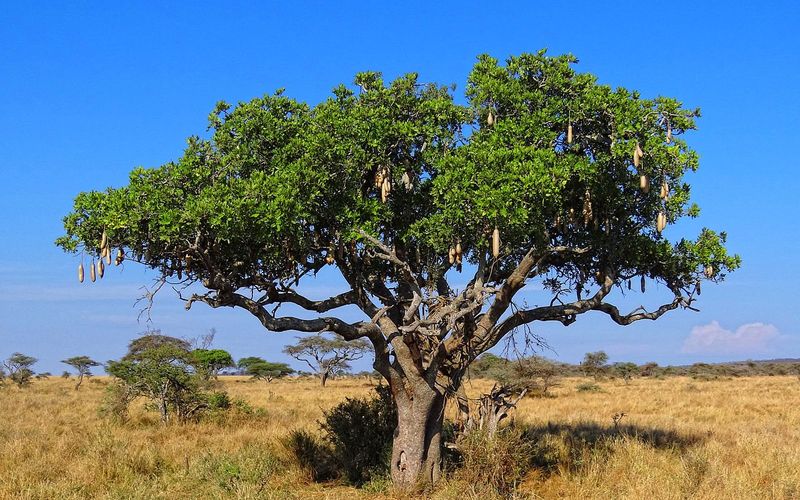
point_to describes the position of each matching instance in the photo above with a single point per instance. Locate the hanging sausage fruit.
(661, 221)
(644, 183)
(496, 242)
(637, 156)
(587, 207)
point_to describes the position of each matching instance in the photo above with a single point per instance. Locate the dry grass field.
(680, 438)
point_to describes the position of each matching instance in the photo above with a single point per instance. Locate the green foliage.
(594, 363)
(327, 355)
(218, 400)
(249, 468)
(588, 387)
(536, 374)
(243, 363)
(18, 366)
(159, 369)
(625, 370)
(357, 440)
(313, 455)
(260, 369)
(82, 364)
(280, 185)
(360, 431)
(490, 366)
(209, 362)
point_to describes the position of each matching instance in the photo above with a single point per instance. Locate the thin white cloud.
(750, 338)
(67, 293)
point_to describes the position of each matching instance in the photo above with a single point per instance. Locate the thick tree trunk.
(417, 445)
(323, 377)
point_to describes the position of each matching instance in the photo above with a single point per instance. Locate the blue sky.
(87, 94)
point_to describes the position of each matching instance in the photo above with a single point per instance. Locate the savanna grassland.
(680, 438)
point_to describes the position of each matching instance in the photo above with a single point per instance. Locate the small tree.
(649, 369)
(626, 370)
(209, 362)
(159, 368)
(266, 370)
(593, 364)
(538, 374)
(243, 363)
(327, 356)
(19, 368)
(82, 365)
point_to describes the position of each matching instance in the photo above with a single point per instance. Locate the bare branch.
(349, 331)
(320, 306)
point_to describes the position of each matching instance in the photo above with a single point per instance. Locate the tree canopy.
(83, 365)
(19, 370)
(161, 369)
(261, 369)
(211, 361)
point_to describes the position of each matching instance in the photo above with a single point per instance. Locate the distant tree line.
(538, 374)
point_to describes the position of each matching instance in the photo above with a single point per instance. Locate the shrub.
(360, 432)
(588, 387)
(313, 455)
(218, 401)
(499, 462)
(356, 443)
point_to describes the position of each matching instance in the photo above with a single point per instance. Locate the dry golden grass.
(680, 438)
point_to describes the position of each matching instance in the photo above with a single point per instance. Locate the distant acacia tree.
(625, 370)
(261, 369)
(209, 362)
(19, 370)
(593, 364)
(649, 369)
(82, 365)
(243, 363)
(538, 374)
(327, 356)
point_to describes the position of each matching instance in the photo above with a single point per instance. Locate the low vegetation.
(680, 437)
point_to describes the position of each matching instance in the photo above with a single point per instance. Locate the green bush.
(217, 401)
(360, 432)
(588, 387)
(313, 455)
(356, 442)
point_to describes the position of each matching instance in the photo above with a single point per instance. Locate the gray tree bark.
(417, 444)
